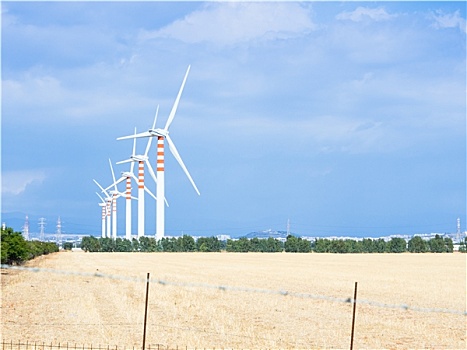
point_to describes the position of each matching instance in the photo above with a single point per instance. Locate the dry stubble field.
(50, 307)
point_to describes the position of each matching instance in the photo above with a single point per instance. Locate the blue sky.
(348, 118)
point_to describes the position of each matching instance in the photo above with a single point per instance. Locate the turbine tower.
(103, 205)
(141, 159)
(162, 135)
(128, 176)
(108, 201)
(115, 194)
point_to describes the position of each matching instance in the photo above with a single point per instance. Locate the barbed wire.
(228, 288)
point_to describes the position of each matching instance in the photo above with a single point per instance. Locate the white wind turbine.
(103, 205)
(163, 134)
(114, 194)
(128, 176)
(142, 159)
(108, 201)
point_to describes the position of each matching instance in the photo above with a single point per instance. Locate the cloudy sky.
(346, 118)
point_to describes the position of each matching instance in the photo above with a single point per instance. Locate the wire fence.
(227, 288)
(10, 345)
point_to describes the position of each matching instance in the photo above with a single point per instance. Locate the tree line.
(292, 244)
(150, 244)
(15, 249)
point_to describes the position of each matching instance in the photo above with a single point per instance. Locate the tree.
(338, 246)
(187, 244)
(14, 249)
(208, 244)
(322, 245)
(90, 244)
(396, 245)
(135, 245)
(243, 245)
(463, 246)
(417, 245)
(291, 244)
(107, 245)
(449, 246)
(123, 245)
(272, 245)
(67, 245)
(437, 244)
(368, 246)
(304, 246)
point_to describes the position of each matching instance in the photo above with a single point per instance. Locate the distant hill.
(269, 233)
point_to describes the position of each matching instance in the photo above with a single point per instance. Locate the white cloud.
(365, 13)
(16, 182)
(449, 20)
(235, 22)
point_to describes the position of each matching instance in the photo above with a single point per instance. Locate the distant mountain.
(269, 233)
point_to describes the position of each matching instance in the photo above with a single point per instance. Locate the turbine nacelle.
(139, 158)
(158, 132)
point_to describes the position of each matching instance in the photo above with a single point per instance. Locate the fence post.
(353, 315)
(146, 312)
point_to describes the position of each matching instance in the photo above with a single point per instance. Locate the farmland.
(80, 307)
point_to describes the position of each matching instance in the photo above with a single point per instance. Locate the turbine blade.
(148, 147)
(104, 191)
(133, 154)
(175, 153)
(102, 199)
(141, 134)
(134, 178)
(151, 171)
(155, 118)
(150, 193)
(113, 174)
(124, 161)
(116, 183)
(177, 100)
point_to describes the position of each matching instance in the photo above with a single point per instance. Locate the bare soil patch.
(86, 309)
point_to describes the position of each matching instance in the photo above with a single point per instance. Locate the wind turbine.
(162, 135)
(115, 194)
(108, 201)
(128, 175)
(141, 159)
(103, 204)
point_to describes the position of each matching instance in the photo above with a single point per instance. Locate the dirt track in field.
(84, 309)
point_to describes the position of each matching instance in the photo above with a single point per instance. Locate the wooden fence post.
(353, 316)
(145, 312)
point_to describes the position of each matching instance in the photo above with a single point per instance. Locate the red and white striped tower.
(140, 199)
(128, 209)
(163, 135)
(103, 205)
(160, 205)
(109, 227)
(114, 215)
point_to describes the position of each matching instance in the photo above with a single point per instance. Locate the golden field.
(53, 307)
